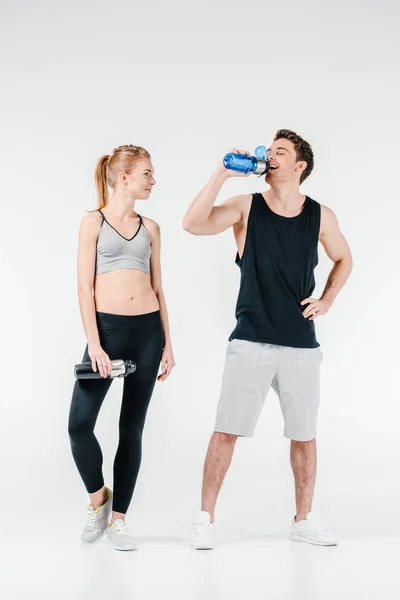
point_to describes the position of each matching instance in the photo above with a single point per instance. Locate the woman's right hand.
(100, 360)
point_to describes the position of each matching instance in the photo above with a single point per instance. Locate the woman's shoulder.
(151, 225)
(91, 222)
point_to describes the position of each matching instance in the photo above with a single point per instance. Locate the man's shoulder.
(325, 211)
(313, 201)
(241, 203)
(328, 219)
(239, 199)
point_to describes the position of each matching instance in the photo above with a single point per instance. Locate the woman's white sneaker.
(118, 535)
(311, 531)
(202, 537)
(97, 521)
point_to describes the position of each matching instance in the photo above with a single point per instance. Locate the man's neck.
(285, 199)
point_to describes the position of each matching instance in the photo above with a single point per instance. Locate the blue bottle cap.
(261, 152)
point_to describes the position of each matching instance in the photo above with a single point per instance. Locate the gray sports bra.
(114, 251)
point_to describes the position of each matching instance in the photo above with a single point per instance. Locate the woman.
(124, 316)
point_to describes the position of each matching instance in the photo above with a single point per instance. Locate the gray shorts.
(251, 369)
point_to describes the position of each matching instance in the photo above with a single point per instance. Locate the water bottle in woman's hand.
(120, 368)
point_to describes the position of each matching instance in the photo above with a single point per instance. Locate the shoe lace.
(121, 528)
(91, 519)
(201, 528)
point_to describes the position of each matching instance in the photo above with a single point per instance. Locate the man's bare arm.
(338, 250)
(202, 217)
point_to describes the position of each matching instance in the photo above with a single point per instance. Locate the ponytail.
(101, 181)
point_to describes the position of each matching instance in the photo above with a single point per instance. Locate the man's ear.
(301, 166)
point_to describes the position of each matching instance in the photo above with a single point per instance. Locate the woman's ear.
(123, 178)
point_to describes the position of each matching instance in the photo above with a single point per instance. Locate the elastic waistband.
(111, 320)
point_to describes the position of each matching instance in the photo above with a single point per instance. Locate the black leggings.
(139, 338)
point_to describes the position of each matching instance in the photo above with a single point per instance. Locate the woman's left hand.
(167, 363)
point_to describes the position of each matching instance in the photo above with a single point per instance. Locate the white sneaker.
(97, 521)
(311, 531)
(118, 535)
(202, 532)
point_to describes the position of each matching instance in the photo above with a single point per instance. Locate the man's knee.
(303, 443)
(225, 438)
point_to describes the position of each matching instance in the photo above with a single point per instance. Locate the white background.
(188, 81)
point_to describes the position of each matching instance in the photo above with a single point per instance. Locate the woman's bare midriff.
(125, 292)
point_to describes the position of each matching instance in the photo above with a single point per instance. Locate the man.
(274, 342)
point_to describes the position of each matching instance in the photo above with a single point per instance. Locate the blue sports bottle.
(258, 164)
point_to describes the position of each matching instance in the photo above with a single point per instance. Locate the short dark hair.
(303, 150)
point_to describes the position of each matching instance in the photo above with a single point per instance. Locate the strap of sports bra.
(102, 214)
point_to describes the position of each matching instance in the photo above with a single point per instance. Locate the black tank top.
(277, 273)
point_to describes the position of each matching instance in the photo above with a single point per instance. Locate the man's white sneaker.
(311, 531)
(97, 521)
(118, 535)
(202, 532)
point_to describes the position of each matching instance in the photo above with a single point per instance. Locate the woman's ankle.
(115, 516)
(99, 498)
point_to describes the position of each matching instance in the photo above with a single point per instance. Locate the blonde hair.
(108, 167)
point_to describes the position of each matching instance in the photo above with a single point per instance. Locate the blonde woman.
(124, 316)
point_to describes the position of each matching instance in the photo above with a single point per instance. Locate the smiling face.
(284, 165)
(139, 182)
